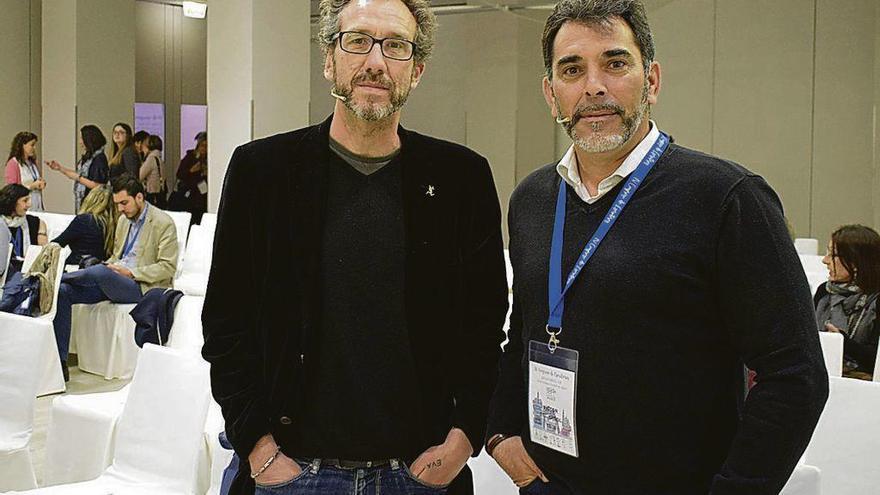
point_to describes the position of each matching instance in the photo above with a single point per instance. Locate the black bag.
(21, 295)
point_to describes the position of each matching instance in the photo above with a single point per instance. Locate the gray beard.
(603, 144)
(368, 111)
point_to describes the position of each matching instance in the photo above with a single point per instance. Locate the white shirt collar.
(568, 168)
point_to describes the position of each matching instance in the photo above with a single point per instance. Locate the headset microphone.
(563, 121)
(337, 96)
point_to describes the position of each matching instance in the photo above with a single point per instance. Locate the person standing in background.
(124, 158)
(22, 167)
(91, 169)
(151, 172)
(192, 180)
(140, 141)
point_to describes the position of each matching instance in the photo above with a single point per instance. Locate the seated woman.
(847, 303)
(90, 234)
(22, 230)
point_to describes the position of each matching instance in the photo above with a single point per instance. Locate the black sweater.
(671, 305)
(85, 238)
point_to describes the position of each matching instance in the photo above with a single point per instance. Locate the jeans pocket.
(278, 487)
(424, 484)
(536, 487)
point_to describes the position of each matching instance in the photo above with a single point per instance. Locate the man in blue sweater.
(640, 291)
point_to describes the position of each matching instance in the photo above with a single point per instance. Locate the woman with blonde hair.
(90, 234)
(124, 158)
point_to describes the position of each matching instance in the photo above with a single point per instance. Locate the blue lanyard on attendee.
(556, 291)
(130, 239)
(18, 242)
(35, 172)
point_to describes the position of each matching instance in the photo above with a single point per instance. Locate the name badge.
(552, 397)
(203, 187)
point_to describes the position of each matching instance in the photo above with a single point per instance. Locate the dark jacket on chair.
(262, 304)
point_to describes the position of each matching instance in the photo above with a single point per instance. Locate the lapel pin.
(430, 191)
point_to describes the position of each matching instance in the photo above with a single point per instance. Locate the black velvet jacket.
(262, 304)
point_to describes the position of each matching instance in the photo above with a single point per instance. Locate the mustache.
(582, 111)
(377, 79)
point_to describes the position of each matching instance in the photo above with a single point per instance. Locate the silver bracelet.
(267, 464)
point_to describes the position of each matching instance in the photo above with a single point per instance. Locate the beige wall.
(87, 78)
(876, 192)
(20, 82)
(256, 81)
(59, 99)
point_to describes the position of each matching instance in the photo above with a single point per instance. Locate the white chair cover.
(209, 220)
(846, 443)
(79, 445)
(181, 223)
(193, 277)
(56, 223)
(805, 480)
(219, 457)
(160, 430)
(102, 335)
(90, 419)
(25, 341)
(832, 351)
(489, 478)
(806, 246)
(51, 377)
(814, 269)
(186, 332)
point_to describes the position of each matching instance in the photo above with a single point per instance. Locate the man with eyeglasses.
(354, 325)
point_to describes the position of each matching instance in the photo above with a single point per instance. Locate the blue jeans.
(89, 286)
(554, 487)
(317, 479)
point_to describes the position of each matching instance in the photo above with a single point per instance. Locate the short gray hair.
(599, 12)
(426, 25)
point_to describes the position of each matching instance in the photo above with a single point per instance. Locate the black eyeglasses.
(360, 44)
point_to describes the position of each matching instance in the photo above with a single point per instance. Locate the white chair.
(79, 443)
(814, 269)
(51, 377)
(218, 457)
(160, 431)
(193, 277)
(25, 341)
(56, 223)
(877, 367)
(186, 332)
(102, 337)
(489, 478)
(181, 223)
(805, 480)
(846, 443)
(806, 246)
(209, 220)
(832, 351)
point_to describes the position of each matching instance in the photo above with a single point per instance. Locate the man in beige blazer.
(144, 258)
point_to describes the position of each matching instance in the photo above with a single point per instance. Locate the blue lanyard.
(556, 291)
(137, 227)
(18, 242)
(32, 168)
